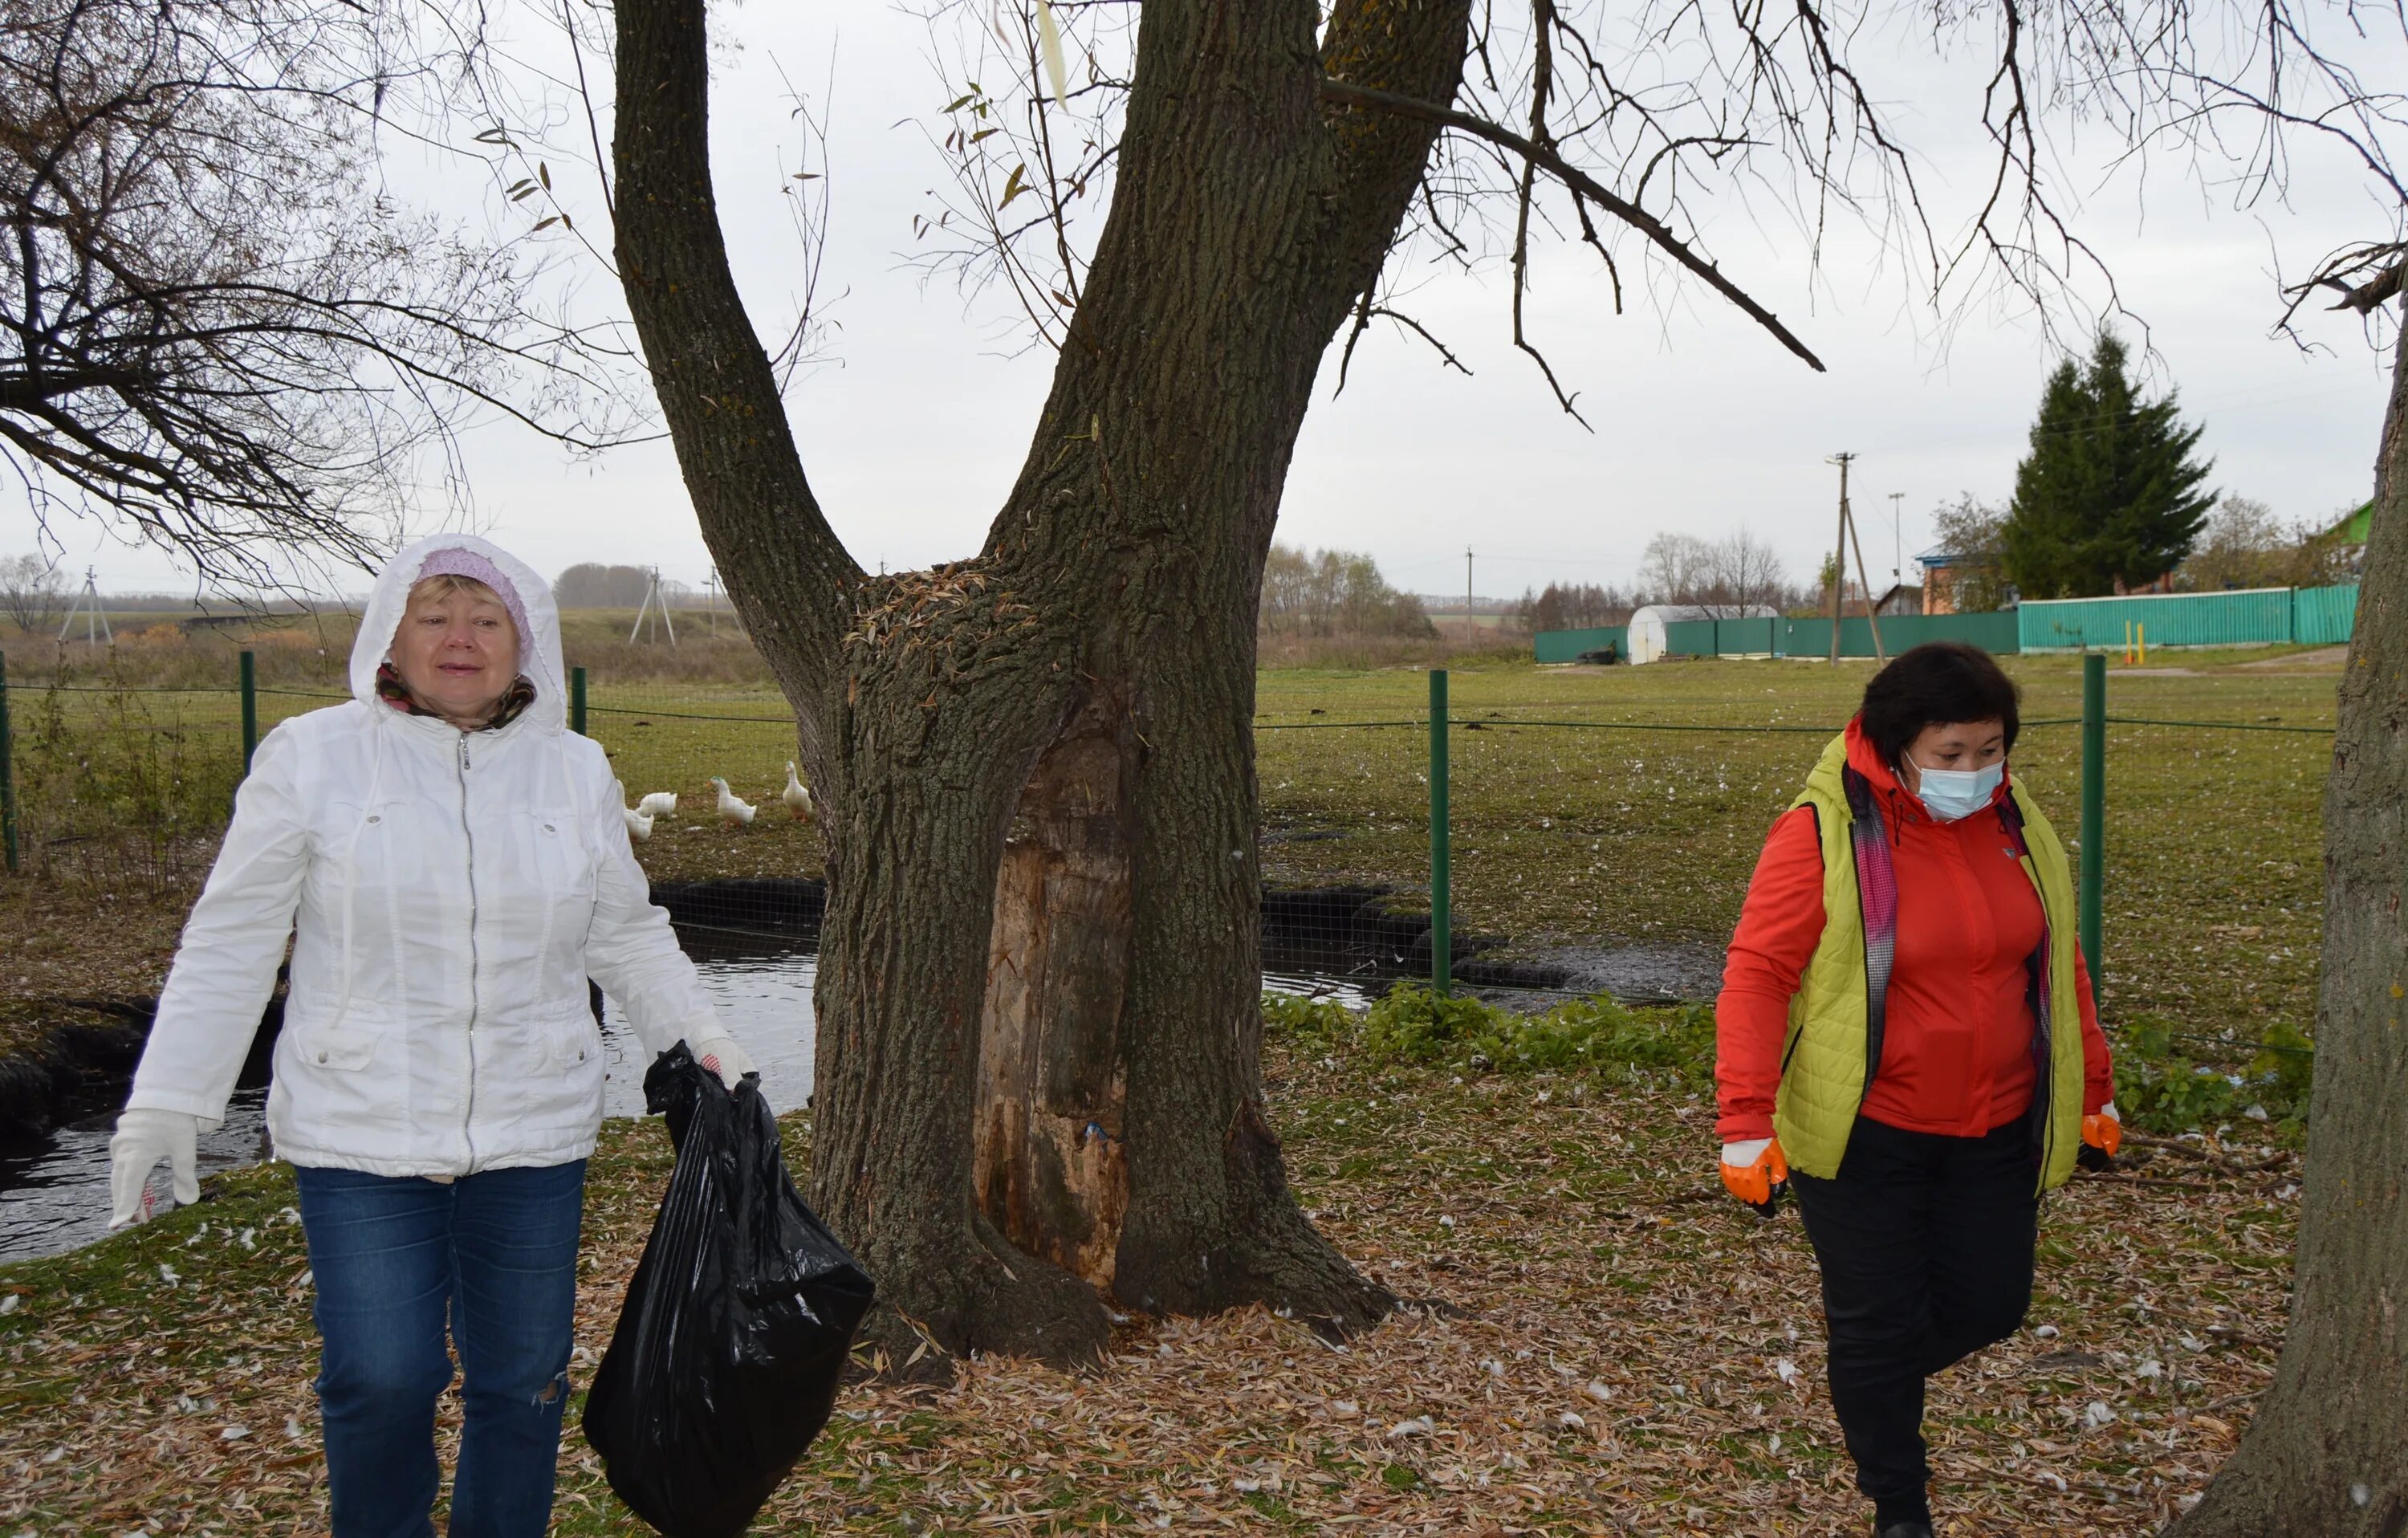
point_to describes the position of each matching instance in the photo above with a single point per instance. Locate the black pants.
(1925, 1247)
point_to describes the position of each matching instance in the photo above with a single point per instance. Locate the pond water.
(55, 1196)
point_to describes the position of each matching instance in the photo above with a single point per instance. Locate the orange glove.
(1756, 1173)
(2102, 1135)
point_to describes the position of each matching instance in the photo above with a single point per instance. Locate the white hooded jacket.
(448, 894)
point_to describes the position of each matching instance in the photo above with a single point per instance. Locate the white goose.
(639, 824)
(735, 811)
(660, 804)
(796, 795)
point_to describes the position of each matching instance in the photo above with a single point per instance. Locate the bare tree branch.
(1581, 185)
(217, 333)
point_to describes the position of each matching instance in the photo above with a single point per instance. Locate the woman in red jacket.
(1907, 1044)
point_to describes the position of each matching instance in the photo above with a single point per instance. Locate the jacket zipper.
(468, 1116)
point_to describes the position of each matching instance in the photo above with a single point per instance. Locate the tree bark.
(1039, 995)
(2328, 1450)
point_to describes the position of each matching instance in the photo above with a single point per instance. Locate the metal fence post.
(2094, 810)
(8, 773)
(577, 701)
(250, 709)
(1442, 916)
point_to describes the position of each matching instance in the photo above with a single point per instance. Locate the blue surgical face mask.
(1953, 795)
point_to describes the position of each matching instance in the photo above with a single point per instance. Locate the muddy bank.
(1655, 973)
(1390, 929)
(82, 1055)
(83, 1051)
(1343, 929)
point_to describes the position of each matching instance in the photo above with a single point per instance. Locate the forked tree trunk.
(2327, 1452)
(1038, 993)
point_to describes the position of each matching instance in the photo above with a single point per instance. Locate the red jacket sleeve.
(2098, 1066)
(1779, 926)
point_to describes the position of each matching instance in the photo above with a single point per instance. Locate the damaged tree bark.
(1038, 993)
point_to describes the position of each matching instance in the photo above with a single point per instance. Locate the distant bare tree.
(31, 589)
(1744, 573)
(1674, 569)
(1727, 576)
(1334, 593)
(1575, 605)
(591, 585)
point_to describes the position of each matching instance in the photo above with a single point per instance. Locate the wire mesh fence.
(1551, 835)
(1604, 842)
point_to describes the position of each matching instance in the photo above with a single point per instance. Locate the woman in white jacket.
(450, 865)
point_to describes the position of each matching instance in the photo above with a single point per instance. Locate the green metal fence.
(2316, 616)
(2260, 616)
(1569, 645)
(2322, 616)
(1787, 638)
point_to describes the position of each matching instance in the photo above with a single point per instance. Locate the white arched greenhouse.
(1646, 636)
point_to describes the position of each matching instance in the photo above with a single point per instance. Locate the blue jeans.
(494, 1254)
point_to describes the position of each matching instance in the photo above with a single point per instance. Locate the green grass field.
(1578, 814)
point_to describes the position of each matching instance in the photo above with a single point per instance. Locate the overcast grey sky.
(915, 422)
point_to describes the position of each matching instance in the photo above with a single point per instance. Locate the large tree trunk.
(2328, 1450)
(1039, 995)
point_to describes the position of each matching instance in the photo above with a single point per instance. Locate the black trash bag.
(725, 1362)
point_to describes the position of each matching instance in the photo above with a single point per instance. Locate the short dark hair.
(1938, 684)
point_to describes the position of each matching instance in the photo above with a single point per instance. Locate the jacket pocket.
(344, 1049)
(574, 1049)
(560, 855)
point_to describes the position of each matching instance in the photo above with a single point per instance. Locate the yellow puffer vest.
(1835, 1017)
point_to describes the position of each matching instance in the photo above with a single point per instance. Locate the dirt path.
(2323, 659)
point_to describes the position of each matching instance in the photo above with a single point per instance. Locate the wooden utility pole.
(1864, 578)
(1847, 541)
(1469, 632)
(1840, 556)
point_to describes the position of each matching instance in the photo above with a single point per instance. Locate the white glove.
(1739, 1156)
(144, 1137)
(723, 1057)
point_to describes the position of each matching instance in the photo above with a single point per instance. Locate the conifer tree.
(2109, 499)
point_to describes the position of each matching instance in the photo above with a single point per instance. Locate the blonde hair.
(447, 583)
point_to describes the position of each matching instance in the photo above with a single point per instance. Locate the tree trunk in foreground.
(2328, 1450)
(1039, 995)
